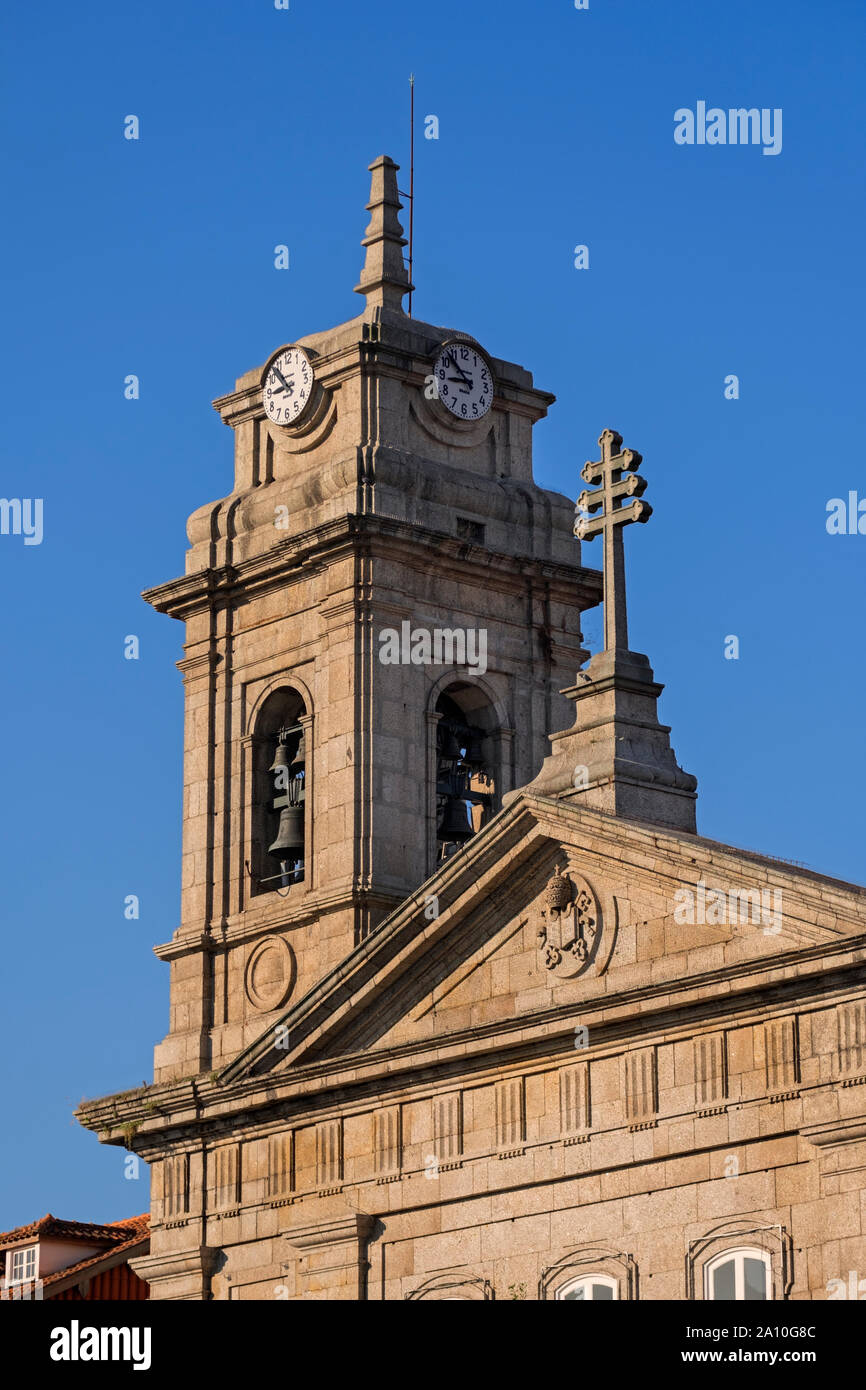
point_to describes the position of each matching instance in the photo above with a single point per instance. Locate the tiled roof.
(111, 1232)
(136, 1230)
(116, 1236)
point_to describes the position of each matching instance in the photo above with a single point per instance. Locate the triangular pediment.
(554, 910)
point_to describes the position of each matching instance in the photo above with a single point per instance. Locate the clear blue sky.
(156, 258)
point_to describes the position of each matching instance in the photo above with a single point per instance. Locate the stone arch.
(453, 1287)
(771, 1238)
(285, 680)
(280, 718)
(468, 759)
(595, 1258)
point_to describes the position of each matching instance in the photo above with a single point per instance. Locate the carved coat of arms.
(570, 921)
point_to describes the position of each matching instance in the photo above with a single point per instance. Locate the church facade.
(462, 1006)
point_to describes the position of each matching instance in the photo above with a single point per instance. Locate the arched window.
(594, 1271)
(279, 829)
(589, 1286)
(466, 772)
(742, 1275)
(456, 1287)
(740, 1259)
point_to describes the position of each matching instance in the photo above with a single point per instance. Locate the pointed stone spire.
(617, 757)
(384, 279)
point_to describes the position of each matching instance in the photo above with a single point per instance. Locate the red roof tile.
(136, 1237)
(111, 1232)
(119, 1236)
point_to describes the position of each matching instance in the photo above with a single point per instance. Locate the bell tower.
(379, 618)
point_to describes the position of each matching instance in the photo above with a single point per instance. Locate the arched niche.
(468, 764)
(280, 810)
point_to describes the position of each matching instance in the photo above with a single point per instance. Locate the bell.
(289, 844)
(455, 822)
(474, 753)
(300, 752)
(281, 758)
(450, 746)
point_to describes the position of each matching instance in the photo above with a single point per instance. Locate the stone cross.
(618, 478)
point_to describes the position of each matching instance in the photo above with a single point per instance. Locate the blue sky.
(155, 257)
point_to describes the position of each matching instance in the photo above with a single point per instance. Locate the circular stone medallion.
(270, 974)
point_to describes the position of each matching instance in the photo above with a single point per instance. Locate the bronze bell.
(455, 822)
(289, 844)
(301, 751)
(450, 747)
(475, 753)
(281, 758)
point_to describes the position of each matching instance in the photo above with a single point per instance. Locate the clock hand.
(286, 385)
(456, 365)
(464, 390)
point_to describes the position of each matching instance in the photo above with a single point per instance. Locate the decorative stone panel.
(387, 1143)
(510, 1116)
(175, 1187)
(226, 1171)
(281, 1167)
(448, 1129)
(329, 1155)
(711, 1073)
(574, 1102)
(781, 1057)
(641, 1088)
(851, 1021)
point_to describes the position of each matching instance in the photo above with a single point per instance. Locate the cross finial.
(384, 280)
(616, 474)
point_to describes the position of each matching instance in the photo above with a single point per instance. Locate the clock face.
(464, 382)
(288, 386)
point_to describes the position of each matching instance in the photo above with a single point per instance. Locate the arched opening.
(743, 1275)
(596, 1287)
(280, 757)
(467, 756)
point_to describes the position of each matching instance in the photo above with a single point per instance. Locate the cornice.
(251, 923)
(479, 1055)
(297, 556)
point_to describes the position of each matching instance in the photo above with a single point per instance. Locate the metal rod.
(411, 180)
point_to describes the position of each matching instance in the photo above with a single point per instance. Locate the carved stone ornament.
(269, 977)
(569, 926)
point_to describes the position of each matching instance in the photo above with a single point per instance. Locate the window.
(456, 1287)
(739, 1275)
(21, 1265)
(589, 1286)
(740, 1260)
(593, 1271)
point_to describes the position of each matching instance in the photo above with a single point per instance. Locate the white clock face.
(288, 386)
(464, 383)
